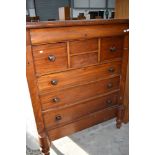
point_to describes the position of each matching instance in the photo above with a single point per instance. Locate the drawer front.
(57, 117)
(78, 76)
(52, 35)
(83, 123)
(83, 46)
(111, 47)
(78, 61)
(50, 58)
(79, 93)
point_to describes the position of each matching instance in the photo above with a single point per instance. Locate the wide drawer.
(62, 116)
(50, 57)
(82, 123)
(111, 47)
(78, 76)
(52, 35)
(79, 93)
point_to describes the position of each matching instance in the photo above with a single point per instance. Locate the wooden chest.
(76, 73)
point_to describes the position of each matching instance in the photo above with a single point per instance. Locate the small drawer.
(83, 60)
(64, 115)
(111, 47)
(57, 81)
(79, 93)
(83, 46)
(50, 57)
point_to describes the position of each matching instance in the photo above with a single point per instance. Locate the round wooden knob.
(110, 85)
(54, 82)
(111, 69)
(109, 102)
(56, 99)
(58, 117)
(51, 58)
(112, 49)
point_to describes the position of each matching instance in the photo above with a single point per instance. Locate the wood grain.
(76, 72)
(82, 46)
(68, 54)
(84, 60)
(126, 98)
(78, 76)
(124, 67)
(71, 23)
(51, 35)
(79, 93)
(71, 113)
(83, 123)
(99, 49)
(41, 53)
(122, 9)
(111, 42)
(32, 83)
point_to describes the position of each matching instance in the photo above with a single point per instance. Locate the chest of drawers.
(76, 73)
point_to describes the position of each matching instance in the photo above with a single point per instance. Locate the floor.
(101, 139)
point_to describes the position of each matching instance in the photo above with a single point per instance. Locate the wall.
(29, 4)
(75, 12)
(48, 9)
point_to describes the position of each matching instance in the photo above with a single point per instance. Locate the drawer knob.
(58, 117)
(56, 99)
(54, 82)
(109, 102)
(51, 58)
(112, 49)
(110, 85)
(111, 69)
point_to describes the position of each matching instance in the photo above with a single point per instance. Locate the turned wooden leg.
(119, 118)
(45, 145)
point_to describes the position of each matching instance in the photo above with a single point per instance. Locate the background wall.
(48, 9)
(76, 11)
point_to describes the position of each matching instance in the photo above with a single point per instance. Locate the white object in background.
(87, 16)
(32, 12)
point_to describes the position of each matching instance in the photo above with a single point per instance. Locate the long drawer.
(82, 123)
(78, 76)
(52, 35)
(64, 115)
(79, 93)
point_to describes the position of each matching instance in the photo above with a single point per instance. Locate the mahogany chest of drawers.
(76, 73)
